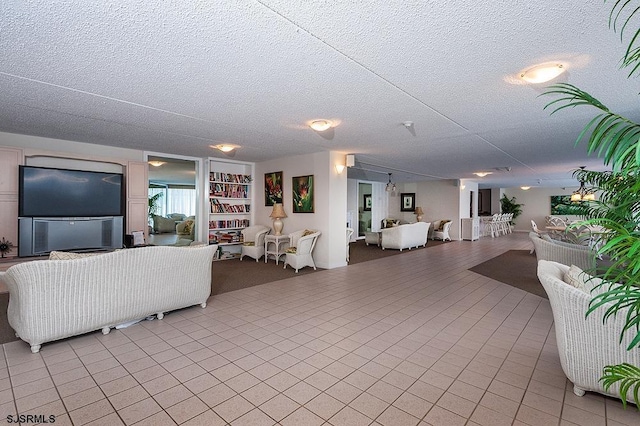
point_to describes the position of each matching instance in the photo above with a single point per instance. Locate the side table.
(275, 245)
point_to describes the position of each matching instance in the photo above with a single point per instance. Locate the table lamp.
(278, 213)
(419, 213)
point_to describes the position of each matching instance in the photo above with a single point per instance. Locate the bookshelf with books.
(230, 199)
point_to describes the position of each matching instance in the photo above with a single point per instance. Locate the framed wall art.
(272, 188)
(367, 202)
(302, 194)
(407, 201)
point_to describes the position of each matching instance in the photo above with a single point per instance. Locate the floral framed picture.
(302, 194)
(407, 201)
(272, 188)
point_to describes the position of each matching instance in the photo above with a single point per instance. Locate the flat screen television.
(49, 192)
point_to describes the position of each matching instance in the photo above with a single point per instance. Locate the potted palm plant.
(617, 210)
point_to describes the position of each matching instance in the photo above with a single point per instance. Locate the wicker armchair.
(300, 251)
(564, 253)
(586, 345)
(253, 245)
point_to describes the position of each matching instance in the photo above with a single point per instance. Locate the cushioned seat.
(300, 251)
(253, 245)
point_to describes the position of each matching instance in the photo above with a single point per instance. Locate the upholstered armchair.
(187, 228)
(253, 245)
(163, 224)
(442, 231)
(300, 251)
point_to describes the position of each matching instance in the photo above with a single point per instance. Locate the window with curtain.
(176, 199)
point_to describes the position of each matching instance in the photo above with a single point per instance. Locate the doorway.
(173, 199)
(365, 204)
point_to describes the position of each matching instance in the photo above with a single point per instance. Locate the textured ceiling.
(179, 76)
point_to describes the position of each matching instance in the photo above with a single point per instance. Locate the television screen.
(46, 192)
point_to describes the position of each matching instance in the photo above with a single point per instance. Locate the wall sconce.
(350, 160)
(340, 168)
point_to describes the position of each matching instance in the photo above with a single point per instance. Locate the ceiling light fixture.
(225, 147)
(542, 73)
(482, 174)
(157, 163)
(582, 193)
(320, 125)
(525, 188)
(391, 187)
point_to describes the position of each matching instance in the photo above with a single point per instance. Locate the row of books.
(234, 223)
(218, 207)
(225, 237)
(229, 177)
(228, 190)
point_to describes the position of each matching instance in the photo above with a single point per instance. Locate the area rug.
(233, 274)
(360, 252)
(517, 268)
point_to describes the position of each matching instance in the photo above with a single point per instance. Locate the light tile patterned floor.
(413, 339)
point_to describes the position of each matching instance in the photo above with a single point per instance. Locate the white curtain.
(175, 200)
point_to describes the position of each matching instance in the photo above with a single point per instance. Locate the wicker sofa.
(561, 252)
(54, 299)
(586, 345)
(405, 236)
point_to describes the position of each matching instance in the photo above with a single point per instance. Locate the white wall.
(537, 204)
(439, 199)
(39, 146)
(330, 202)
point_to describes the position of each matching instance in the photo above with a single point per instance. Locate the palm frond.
(629, 378)
(623, 15)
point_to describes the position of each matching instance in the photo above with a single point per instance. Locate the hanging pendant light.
(391, 187)
(582, 193)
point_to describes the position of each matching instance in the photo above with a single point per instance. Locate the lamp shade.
(419, 211)
(278, 211)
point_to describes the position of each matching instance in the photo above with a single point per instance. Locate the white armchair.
(253, 245)
(585, 345)
(442, 234)
(561, 252)
(300, 251)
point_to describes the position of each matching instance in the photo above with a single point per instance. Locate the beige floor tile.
(216, 395)
(128, 397)
(350, 417)
(393, 416)
(324, 406)
(208, 418)
(413, 405)
(254, 417)
(279, 407)
(439, 416)
(86, 397)
(139, 411)
(172, 396)
(187, 409)
(233, 408)
(91, 412)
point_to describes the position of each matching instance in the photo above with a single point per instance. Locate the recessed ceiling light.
(157, 163)
(225, 147)
(482, 174)
(525, 188)
(320, 125)
(542, 73)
